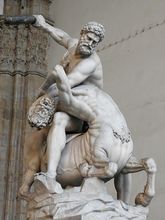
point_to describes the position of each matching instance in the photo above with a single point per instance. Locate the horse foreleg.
(147, 164)
(32, 158)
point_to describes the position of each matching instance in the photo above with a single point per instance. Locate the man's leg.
(56, 141)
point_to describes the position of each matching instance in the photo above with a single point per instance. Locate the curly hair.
(95, 28)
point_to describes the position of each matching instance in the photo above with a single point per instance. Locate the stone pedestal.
(90, 201)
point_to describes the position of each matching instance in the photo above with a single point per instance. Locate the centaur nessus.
(104, 150)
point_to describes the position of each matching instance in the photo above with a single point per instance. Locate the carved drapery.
(23, 67)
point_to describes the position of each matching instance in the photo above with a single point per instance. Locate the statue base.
(88, 202)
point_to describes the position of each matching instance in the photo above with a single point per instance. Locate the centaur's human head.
(90, 36)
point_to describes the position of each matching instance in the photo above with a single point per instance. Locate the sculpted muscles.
(82, 71)
(58, 35)
(86, 68)
(81, 61)
(77, 108)
(82, 66)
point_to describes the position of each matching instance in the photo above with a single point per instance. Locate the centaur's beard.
(84, 49)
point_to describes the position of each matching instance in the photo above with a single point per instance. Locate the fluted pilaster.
(23, 67)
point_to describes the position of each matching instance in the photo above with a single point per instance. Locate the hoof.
(111, 169)
(84, 169)
(142, 199)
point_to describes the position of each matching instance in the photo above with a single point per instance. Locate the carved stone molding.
(23, 66)
(23, 50)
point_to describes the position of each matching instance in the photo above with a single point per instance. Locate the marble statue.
(83, 139)
(104, 151)
(82, 66)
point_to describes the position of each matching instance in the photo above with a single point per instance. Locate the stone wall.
(23, 67)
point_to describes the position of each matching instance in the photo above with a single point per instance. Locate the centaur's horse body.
(106, 142)
(103, 151)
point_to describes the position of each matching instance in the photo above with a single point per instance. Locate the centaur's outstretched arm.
(72, 105)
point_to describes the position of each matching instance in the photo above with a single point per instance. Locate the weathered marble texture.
(91, 201)
(22, 69)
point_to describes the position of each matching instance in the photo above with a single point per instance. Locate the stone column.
(23, 67)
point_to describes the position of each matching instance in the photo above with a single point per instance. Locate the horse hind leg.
(148, 165)
(107, 171)
(149, 189)
(102, 166)
(123, 185)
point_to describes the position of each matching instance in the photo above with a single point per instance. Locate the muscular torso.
(108, 132)
(70, 61)
(103, 107)
(105, 119)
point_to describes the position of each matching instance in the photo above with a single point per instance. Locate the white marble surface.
(91, 201)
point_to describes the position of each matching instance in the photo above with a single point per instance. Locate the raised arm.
(58, 35)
